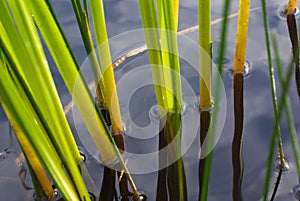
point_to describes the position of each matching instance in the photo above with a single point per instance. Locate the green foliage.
(27, 79)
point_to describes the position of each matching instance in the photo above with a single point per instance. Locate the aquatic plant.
(238, 88)
(161, 38)
(52, 125)
(33, 106)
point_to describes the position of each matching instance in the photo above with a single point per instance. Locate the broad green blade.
(148, 15)
(72, 78)
(75, 83)
(41, 85)
(38, 175)
(23, 118)
(47, 97)
(169, 48)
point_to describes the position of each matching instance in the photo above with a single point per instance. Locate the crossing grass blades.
(33, 107)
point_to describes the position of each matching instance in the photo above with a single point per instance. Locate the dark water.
(123, 16)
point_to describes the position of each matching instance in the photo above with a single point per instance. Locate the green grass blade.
(84, 27)
(169, 48)
(82, 98)
(23, 118)
(288, 110)
(275, 106)
(72, 78)
(284, 87)
(42, 185)
(171, 66)
(60, 28)
(48, 97)
(272, 83)
(40, 180)
(44, 93)
(148, 15)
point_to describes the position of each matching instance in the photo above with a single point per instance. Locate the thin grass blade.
(288, 110)
(275, 107)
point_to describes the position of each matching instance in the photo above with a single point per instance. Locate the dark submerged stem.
(123, 182)
(108, 190)
(175, 172)
(171, 180)
(162, 191)
(237, 158)
(108, 185)
(276, 185)
(292, 26)
(205, 117)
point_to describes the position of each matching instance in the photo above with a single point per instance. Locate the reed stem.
(111, 98)
(221, 53)
(238, 73)
(110, 95)
(84, 27)
(169, 48)
(176, 12)
(205, 65)
(205, 53)
(154, 53)
(241, 36)
(291, 6)
(292, 26)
